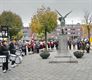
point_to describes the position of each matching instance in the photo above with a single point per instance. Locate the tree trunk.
(46, 39)
(88, 32)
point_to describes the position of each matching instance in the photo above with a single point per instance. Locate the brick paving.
(35, 68)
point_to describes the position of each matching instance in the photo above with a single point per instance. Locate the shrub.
(45, 55)
(78, 54)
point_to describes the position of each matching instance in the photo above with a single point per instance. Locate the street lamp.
(4, 32)
(72, 31)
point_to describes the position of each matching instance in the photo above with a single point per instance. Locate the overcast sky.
(26, 8)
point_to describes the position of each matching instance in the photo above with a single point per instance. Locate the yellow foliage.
(85, 30)
(44, 19)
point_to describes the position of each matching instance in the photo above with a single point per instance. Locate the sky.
(27, 8)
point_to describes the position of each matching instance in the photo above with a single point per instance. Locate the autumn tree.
(19, 35)
(88, 21)
(44, 21)
(12, 21)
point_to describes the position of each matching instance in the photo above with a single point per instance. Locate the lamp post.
(4, 32)
(72, 31)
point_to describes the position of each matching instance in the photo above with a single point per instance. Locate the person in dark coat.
(88, 47)
(12, 49)
(69, 44)
(56, 44)
(0, 48)
(4, 51)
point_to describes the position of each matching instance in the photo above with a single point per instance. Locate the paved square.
(35, 68)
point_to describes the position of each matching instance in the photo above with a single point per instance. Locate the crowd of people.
(4, 50)
(34, 46)
(82, 44)
(8, 48)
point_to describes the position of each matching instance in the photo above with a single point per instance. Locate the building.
(72, 30)
(27, 33)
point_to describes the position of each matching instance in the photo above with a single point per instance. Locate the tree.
(40, 36)
(87, 24)
(88, 20)
(19, 35)
(44, 21)
(13, 21)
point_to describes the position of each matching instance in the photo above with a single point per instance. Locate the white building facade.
(72, 31)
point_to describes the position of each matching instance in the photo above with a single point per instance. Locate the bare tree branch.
(86, 16)
(90, 19)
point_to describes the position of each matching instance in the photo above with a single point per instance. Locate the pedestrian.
(37, 46)
(87, 47)
(69, 44)
(24, 48)
(52, 44)
(12, 48)
(56, 44)
(4, 51)
(73, 43)
(78, 45)
(48, 44)
(83, 46)
(29, 47)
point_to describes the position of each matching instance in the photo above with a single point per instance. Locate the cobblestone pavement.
(34, 68)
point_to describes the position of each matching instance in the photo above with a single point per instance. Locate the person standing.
(73, 43)
(52, 44)
(4, 51)
(56, 44)
(69, 44)
(24, 47)
(88, 47)
(12, 48)
(37, 46)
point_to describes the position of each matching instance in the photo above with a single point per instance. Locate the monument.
(62, 19)
(63, 47)
(63, 36)
(63, 55)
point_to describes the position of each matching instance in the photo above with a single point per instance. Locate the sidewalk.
(35, 68)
